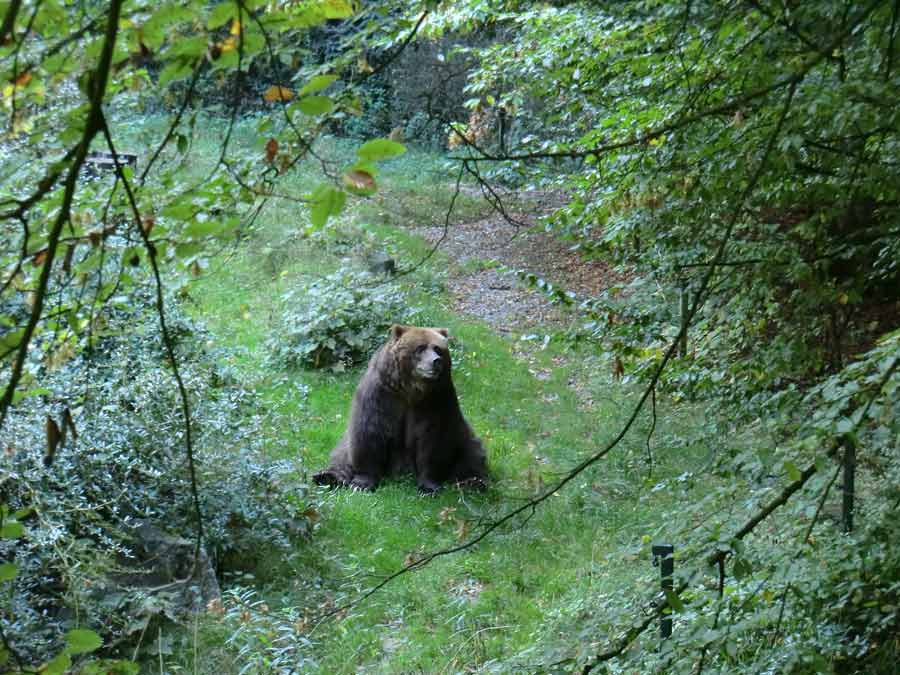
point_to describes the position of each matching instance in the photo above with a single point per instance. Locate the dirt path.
(486, 254)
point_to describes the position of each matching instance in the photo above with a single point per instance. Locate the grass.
(486, 604)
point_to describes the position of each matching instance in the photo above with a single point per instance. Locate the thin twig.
(93, 124)
(167, 341)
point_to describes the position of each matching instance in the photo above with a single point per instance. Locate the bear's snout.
(430, 366)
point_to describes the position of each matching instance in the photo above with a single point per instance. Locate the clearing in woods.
(539, 404)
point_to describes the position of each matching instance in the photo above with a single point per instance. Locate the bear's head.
(423, 353)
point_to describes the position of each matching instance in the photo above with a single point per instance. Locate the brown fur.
(405, 418)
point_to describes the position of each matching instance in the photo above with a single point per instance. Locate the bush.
(335, 321)
(127, 466)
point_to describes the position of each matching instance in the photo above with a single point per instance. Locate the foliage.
(121, 464)
(336, 321)
(86, 229)
(265, 639)
(736, 162)
(743, 154)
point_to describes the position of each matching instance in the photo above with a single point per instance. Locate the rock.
(381, 263)
(164, 563)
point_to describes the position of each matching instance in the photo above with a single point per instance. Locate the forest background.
(199, 202)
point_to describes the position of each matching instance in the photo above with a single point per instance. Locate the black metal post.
(849, 484)
(663, 557)
(684, 299)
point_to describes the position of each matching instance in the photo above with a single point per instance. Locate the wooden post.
(101, 161)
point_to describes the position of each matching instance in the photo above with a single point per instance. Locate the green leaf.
(57, 666)
(202, 228)
(220, 15)
(674, 601)
(325, 202)
(741, 568)
(40, 391)
(189, 48)
(11, 339)
(186, 250)
(176, 70)
(8, 572)
(179, 210)
(793, 473)
(315, 105)
(380, 148)
(82, 641)
(318, 83)
(11, 530)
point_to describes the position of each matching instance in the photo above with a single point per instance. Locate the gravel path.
(485, 256)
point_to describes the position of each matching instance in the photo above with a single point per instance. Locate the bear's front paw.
(428, 487)
(326, 478)
(473, 483)
(363, 483)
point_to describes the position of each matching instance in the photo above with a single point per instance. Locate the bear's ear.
(443, 331)
(397, 331)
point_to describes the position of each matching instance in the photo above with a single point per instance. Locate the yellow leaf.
(362, 65)
(337, 9)
(278, 93)
(235, 27)
(228, 45)
(843, 299)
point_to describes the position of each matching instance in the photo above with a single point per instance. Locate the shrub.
(336, 321)
(127, 466)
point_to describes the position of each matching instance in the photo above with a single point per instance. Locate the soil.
(487, 256)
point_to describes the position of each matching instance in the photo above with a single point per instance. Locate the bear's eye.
(420, 349)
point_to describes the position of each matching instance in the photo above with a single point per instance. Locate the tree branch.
(167, 341)
(97, 91)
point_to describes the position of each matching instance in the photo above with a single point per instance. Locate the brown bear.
(405, 418)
